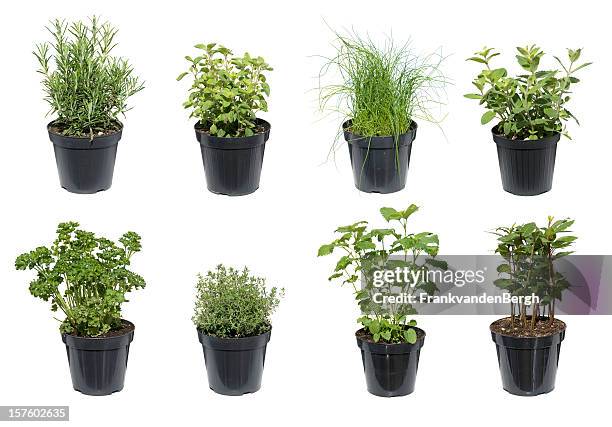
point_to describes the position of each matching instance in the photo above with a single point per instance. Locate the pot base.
(85, 166)
(390, 369)
(526, 166)
(380, 163)
(98, 365)
(233, 165)
(234, 366)
(528, 365)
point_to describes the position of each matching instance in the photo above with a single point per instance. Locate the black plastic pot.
(233, 165)
(391, 369)
(528, 365)
(85, 166)
(380, 163)
(98, 365)
(526, 166)
(234, 365)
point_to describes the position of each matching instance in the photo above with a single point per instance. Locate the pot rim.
(234, 343)
(512, 336)
(524, 144)
(100, 343)
(84, 138)
(234, 142)
(413, 126)
(528, 343)
(394, 348)
(385, 142)
(99, 142)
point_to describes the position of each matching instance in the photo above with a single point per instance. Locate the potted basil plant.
(531, 113)
(529, 340)
(86, 277)
(381, 92)
(87, 89)
(232, 317)
(389, 340)
(226, 94)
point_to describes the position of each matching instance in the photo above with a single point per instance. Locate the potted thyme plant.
(232, 316)
(529, 340)
(226, 94)
(86, 278)
(383, 90)
(531, 112)
(390, 342)
(87, 88)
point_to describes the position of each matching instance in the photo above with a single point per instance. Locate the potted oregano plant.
(86, 277)
(531, 110)
(226, 94)
(382, 91)
(389, 340)
(233, 319)
(529, 340)
(87, 89)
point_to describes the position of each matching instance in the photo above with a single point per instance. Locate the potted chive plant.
(232, 317)
(87, 278)
(226, 94)
(529, 340)
(381, 92)
(390, 342)
(531, 113)
(87, 89)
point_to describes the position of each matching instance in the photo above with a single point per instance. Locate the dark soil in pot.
(528, 361)
(234, 365)
(85, 165)
(233, 165)
(390, 369)
(380, 163)
(98, 365)
(526, 166)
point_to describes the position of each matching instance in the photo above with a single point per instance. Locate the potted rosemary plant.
(390, 342)
(382, 91)
(88, 89)
(529, 340)
(86, 278)
(226, 94)
(232, 316)
(531, 112)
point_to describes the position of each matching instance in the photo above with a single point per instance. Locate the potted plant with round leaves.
(529, 340)
(531, 112)
(232, 316)
(88, 89)
(389, 340)
(382, 91)
(227, 93)
(86, 277)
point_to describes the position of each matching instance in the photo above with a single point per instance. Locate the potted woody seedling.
(87, 89)
(531, 114)
(232, 317)
(389, 340)
(226, 94)
(381, 92)
(529, 340)
(87, 278)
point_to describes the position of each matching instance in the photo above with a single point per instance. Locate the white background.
(313, 370)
